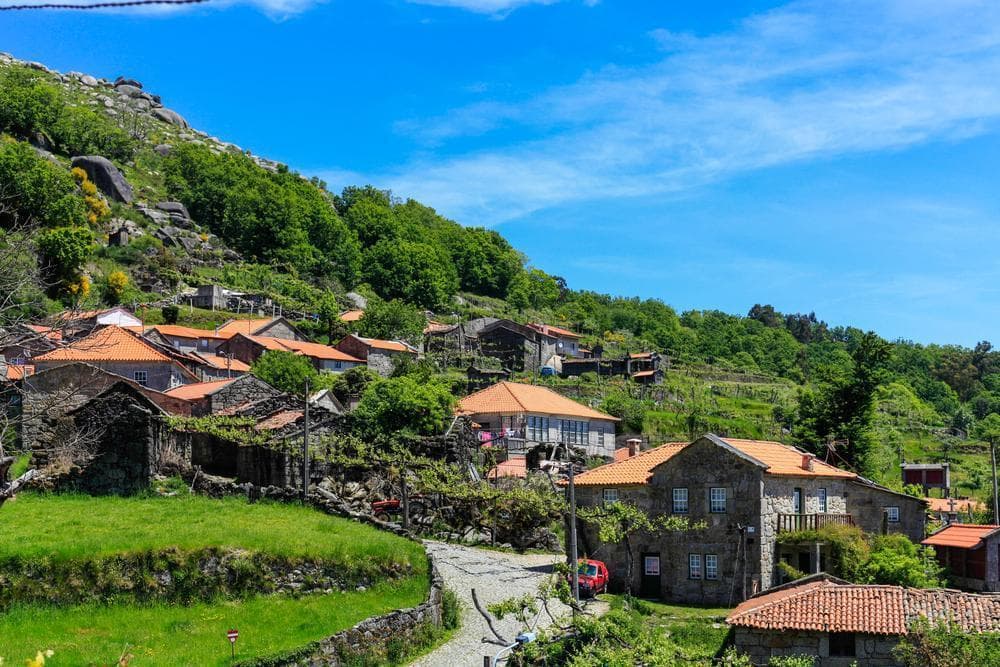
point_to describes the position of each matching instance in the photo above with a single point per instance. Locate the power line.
(102, 5)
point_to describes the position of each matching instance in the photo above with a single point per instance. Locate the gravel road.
(495, 576)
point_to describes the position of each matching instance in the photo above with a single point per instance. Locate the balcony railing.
(795, 522)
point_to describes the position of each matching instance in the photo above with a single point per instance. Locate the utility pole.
(305, 448)
(574, 558)
(405, 496)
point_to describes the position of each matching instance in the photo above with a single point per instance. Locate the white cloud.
(494, 7)
(274, 8)
(808, 81)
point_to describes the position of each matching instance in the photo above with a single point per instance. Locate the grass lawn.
(176, 635)
(76, 526)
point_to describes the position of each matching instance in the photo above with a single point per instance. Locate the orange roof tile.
(438, 327)
(184, 332)
(47, 332)
(823, 604)
(279, 420)
(550, 330)
(221, 362)
(640, 355)
(390, 345)
(621, 454)
(631, 471)
(248, 327)
(785, 460)
(514, 397)
(961, 535)
(19, 372)
(192, 392)
(108, 343)
(351, 315)
(516, 467)
(643, 374)
(960, 505)
(315, 350)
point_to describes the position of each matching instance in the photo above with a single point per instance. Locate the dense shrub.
(32, 189)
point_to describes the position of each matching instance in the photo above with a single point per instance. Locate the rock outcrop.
(105, 176)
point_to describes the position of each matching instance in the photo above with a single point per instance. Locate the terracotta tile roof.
(47, 332)
(550, 330)
(641, 355)
(184, 332)
(514, 397)
(960, 505)
(73, 315)
(315, 350)
(233, 327)
(439, 327)
(621, 454)
(823, 604)
(390, 345)
(192, 392)
(351, 315)
(19, 372)
(961, 535)
(635, 470)
(516, 467)
(221, 362)
(108, 343)
(643, 374)
(279, 420)
(785, 460)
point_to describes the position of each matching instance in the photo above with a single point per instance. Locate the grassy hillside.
(257, 226)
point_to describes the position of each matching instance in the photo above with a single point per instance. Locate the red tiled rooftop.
(516, 467)
(518, 398)
(110, 343)
(961, 535)
(630, 471)
(247, 327)
(192, 392)
(954, 505)
(351, 315)
(829, 605)
(550, 330)
(179, 331)
(279, 420)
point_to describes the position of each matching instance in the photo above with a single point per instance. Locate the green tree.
(533, 288)
(894, 559)
(83, 131)
(404, 405)
(419, 273)
(34, 190)
(947, 645)
(28, 103)
(63, 251)
(352, 383)
(286, 371)
(988, 429)
(392, 320)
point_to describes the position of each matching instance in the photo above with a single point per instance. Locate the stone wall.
(242, 348)
(867, 503)
(381, 362)
(280, 328)
(762, 645)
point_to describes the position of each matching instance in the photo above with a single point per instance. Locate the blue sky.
(830, 156)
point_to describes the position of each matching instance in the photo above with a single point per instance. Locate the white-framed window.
(711, 566)
(538, 428)
(892, 514)
(680, 501)
(338, 364)
(694, 566)
(821, 496)
(717, 500)
(651, 565)
(573, 432)
(609, 496)
(141, 377)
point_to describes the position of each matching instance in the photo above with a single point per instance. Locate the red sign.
(233, 635)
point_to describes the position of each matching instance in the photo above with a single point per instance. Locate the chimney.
(634, 446)
(807, 461)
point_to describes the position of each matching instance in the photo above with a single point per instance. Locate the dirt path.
(495, 576)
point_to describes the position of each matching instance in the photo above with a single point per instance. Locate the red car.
(593, 577)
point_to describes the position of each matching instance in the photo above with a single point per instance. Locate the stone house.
(970, 554)
(184, 339)
(46, 398)
(249, 348)
(841, 624)
(747, 492)
(213, 297)
(208, 398)
(518, 347)
(126, 438)
(567, 342)
(22, 342)
(275, 327)
(379, 355)
(526, 416)
(123, 353)
(217, 366)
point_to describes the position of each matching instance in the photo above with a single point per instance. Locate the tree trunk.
(628, 566)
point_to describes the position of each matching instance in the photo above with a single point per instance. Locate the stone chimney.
(807, 461)
(634, 446)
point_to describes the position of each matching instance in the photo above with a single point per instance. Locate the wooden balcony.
(794, 522)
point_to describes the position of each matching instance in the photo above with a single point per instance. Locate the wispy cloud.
(277, 9)
(811, 80)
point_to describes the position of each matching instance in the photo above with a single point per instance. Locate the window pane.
(822, 500)
(717, 500)
(711, 566)
(694, 566)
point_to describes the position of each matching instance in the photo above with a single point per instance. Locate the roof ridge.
(792, 594)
